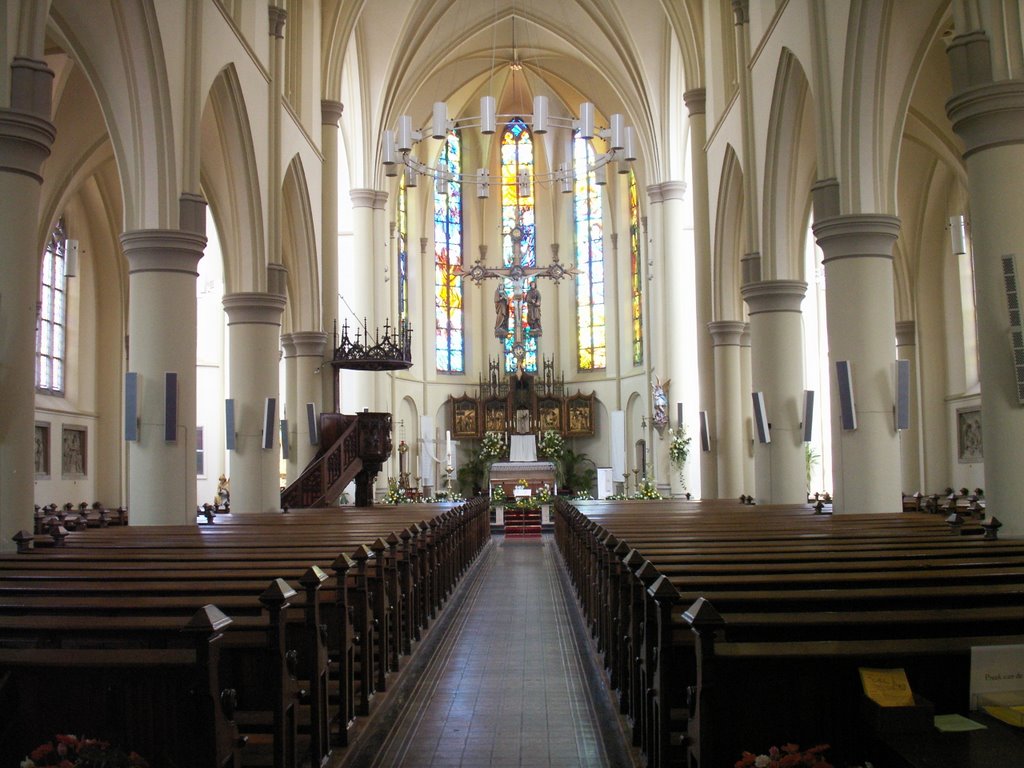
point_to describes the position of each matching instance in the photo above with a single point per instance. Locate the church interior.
(702, 276)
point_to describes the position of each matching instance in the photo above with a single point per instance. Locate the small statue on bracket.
(659, 392)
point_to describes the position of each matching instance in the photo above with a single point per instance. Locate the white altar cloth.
(522, 448)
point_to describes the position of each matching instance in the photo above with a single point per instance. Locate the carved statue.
(500, 311)
(533, 309)
(659, 393)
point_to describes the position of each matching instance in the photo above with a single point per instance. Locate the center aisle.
(509, 683)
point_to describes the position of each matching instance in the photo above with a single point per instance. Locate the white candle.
(448, 445)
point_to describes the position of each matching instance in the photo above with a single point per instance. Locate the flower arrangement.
(68, 751)
(583, 496)
(521, 483)
(498, 495)
(678, 450)
(785, 757)
(395, 494)
(647, 491)
(543, 495)
(492, 447)
(551, 445)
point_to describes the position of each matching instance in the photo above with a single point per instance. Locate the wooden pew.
(168, 567)
(637, 566)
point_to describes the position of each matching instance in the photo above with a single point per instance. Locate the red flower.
(41, 751)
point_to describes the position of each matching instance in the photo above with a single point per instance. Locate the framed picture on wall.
(968, 435)
(42, 449)
(73, 444)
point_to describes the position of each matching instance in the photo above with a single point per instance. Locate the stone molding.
(304, 344)
(774, 296)
(363, 198)
(654, 194)
(163, 250)
(987, 116)
(277, 17)
(857, 236)
(695, 101)
(906, 333)
(673, 190)
(330, 112)
(25, 142)
(727, 333)
(254, 308)
(380, 200)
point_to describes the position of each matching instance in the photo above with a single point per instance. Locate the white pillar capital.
(304, 343)
(655, 194)
(673, 190)
(163, 250)
(906, 333)
(695, 100)
(727, 333)
(330, 112)
(277, 17)
(774, 296)
(363, 198)
(857, 235)
(380, 200)
(25, 141)
(253, 308)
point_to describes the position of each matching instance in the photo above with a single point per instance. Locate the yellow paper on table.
(1012, 715)
(887, 687)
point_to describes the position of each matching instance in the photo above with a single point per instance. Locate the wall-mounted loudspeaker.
(70, 258)
(847, 409)
(902, 394)
(313, 423)
(705, 433)
(229, 424)
(808, 416)
(761, 425)
(269, 422)
(131, 407)
(170, 406)
(285, 444)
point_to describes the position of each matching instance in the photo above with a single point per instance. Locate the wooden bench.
(767, 571)
(405, 564)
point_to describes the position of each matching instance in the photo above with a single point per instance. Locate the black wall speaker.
(170, 406)
(285, 444)
(229, 424)
(269, 422)
(764, 434)
(131, 407)
(808, 417)
(847, 408)
(902, 394)
(705, 433)
(313, 423)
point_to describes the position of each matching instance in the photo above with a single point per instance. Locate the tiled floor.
(507, 684)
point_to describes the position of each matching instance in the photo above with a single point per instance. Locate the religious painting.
(73, 446)
(496, 415)
(42, 449)
(968, 431)
(549, 413)
(580, 415)
(465, 417)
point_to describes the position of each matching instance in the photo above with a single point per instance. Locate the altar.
(535, 474)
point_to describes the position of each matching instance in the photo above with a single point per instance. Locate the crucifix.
(524, 291)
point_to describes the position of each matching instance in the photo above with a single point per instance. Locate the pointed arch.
(790, 165)
(299, 251)
(230, 180)
(729, 245)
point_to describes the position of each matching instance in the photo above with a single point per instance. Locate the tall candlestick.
(448, 445)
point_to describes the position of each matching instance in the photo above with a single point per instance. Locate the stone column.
(162, 271)
(910, 439)
(331, 115)
(254, 330)
(679, 323)
(987, 112)
(776, 332)
(748, 410)
(357, 289)
(26, 136)
(709, 466)
(861, 318)
(727, 427)
(304, 366)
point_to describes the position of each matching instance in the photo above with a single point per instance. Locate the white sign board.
(997, 675)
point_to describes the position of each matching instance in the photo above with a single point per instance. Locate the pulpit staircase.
(351, 448)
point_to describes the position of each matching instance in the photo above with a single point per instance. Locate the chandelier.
(620, 139)
(390, 350)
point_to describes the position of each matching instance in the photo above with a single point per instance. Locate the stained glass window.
(587, 211)
(448, 314)
(636, 286)
(52, 315)
(519, 245)
(403, 251)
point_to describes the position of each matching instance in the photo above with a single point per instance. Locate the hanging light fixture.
(398, 144)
